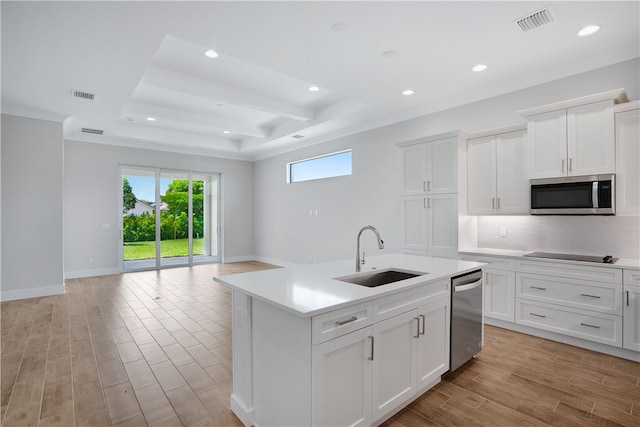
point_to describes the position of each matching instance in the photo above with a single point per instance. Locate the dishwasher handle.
(466, 287)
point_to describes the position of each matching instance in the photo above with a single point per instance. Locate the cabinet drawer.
(339, 322)
(598, 327)
(631, 277)
(588, 295)
(496, 263)
(572, 271)
(392, 305)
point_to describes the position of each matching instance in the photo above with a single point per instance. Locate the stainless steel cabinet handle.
(570, 164)
(562, 165)
(424, 185)
(537, 315)
(627, 298)
(429, 202)
(590, 296)
(428, 185)
(590, 326)
(423, 321)
(466, 287)
(371, 356)
(498, 203)
(417, 335)
(344, 322)
(539, 288)
(493, 203)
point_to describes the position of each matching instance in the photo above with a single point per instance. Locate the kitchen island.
(310, 349)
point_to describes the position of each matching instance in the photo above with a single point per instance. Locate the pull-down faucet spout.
(380, 243)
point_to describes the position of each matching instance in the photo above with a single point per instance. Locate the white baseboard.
(32, 293)
(242, 258)
(91, 273)
(238, 408)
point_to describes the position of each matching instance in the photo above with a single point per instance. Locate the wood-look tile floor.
(154, 349)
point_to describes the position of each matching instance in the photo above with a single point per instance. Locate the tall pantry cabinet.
(430, 195)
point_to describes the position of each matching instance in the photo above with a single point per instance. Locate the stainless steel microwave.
(574, 195)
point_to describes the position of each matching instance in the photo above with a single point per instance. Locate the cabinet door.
(547, 153)
(631, 318)
(627, 158)
(481, 176)
(433, 345)
(499, 294)
(394, 350)
(414, 169)
(590, 138)
(414, 223)
(442, 224)
(442, 166)
(512, 179)
(341, 380)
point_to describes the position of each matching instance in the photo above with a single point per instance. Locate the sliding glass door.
(170, 218)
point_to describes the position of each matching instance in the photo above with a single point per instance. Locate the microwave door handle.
(594, 194)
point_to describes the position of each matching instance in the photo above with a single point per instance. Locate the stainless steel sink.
(381, 277)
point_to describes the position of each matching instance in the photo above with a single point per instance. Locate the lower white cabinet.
(631, 327)
(341, 372)
(631, 310)
(363, 376)
(499, 294)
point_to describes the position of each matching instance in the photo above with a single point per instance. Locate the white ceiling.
(145, 59)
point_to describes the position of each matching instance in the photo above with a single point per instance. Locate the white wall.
(32, 152)
(92, 219)
(285, 231)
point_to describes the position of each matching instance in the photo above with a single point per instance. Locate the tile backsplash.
(618, 236)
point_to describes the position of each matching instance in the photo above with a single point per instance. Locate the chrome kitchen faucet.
(380, 244)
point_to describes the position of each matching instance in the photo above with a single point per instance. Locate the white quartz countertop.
(620, 263)
(308, 290)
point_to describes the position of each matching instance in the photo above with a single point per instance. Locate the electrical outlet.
(503, 231)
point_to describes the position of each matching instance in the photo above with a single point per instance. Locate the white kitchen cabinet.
(573, 141)
(430, 223)
(499, 294)
(627, 122)
(497, 179)
(631, 310)
(430, 167)
(433, 345)
(394, 362)
(342, 380)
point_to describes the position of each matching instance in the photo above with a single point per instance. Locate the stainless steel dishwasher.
(466, 318)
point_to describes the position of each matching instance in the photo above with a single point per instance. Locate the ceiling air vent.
(93, 131)
(536, 19)
(298, 136)
(83, 95)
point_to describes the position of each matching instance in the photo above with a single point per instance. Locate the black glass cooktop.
(608, 259)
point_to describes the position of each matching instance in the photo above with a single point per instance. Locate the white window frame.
(290, 164)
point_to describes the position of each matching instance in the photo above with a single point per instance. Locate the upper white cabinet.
(430, 167)
(573, 137)
(497, 179)
(430, 223)
(627, 123)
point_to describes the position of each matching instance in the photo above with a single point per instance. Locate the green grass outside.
(168, 248)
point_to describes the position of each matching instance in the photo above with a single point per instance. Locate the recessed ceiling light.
(151, 119)
(587, 31)
(314, 89)
(479, 67)
(388, 54)
(209, 53)
(226, 131)
(408, 92)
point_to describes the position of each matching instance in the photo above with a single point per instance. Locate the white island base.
(311, 350)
